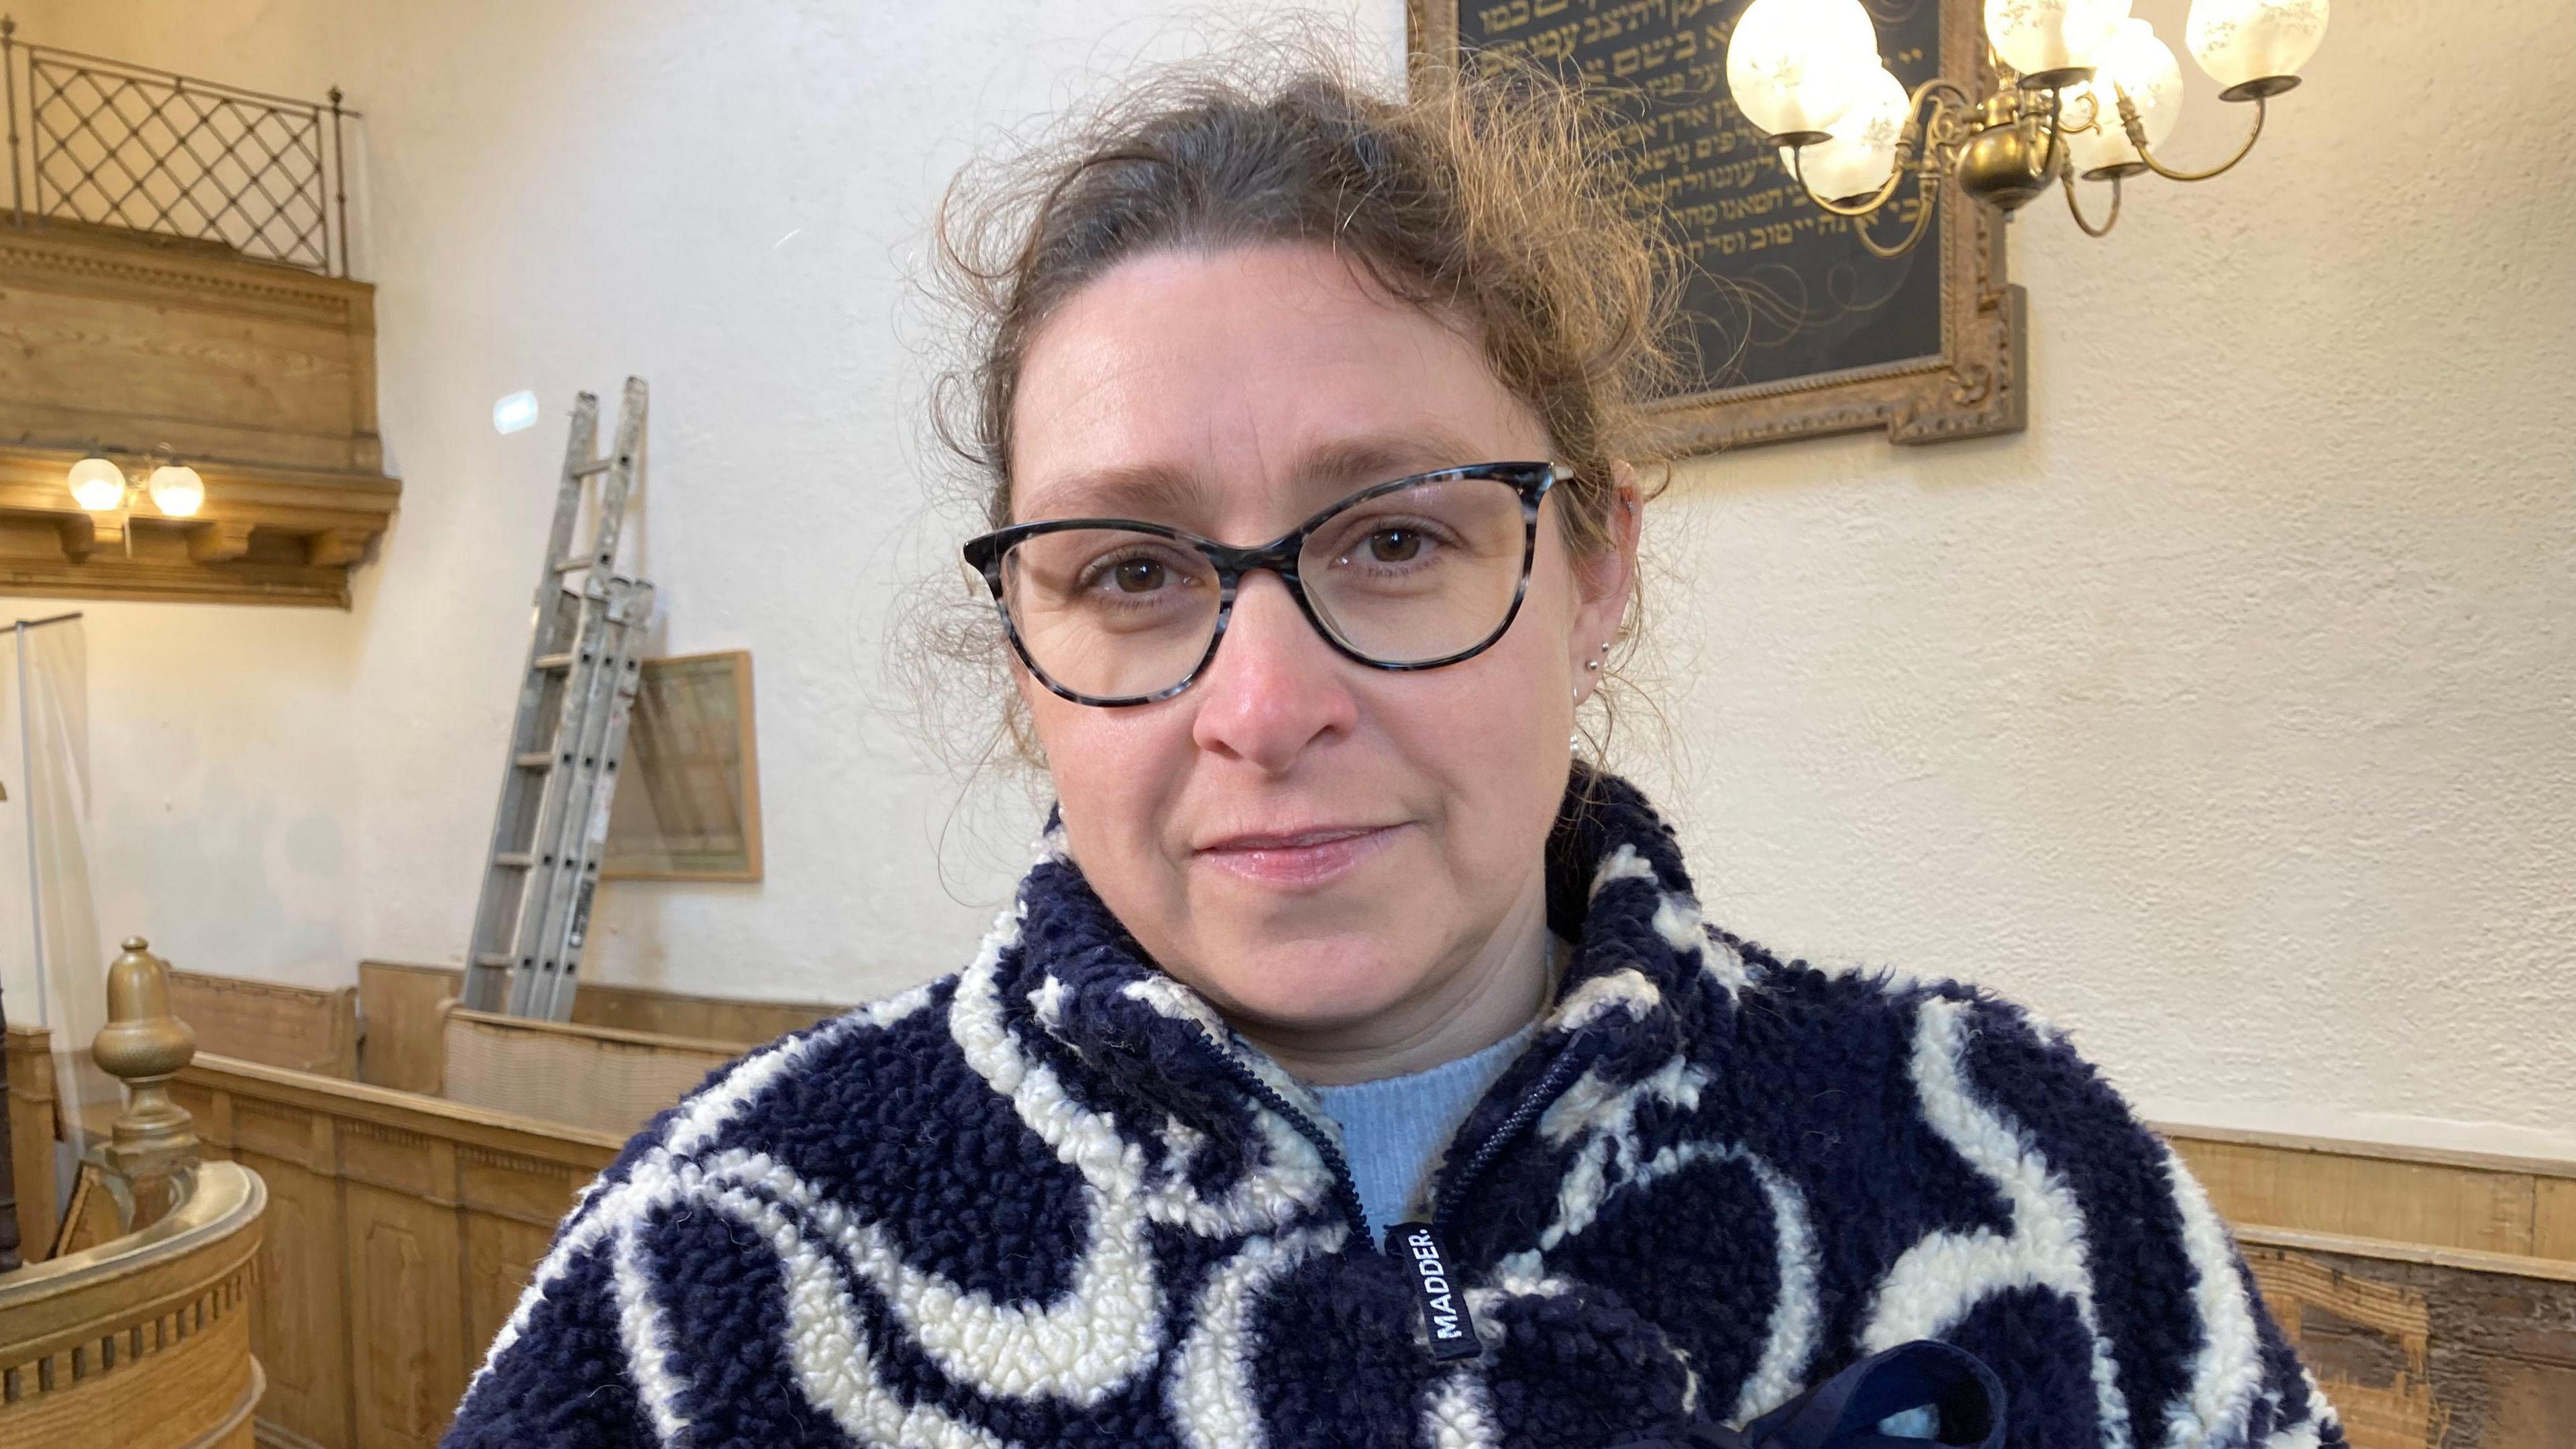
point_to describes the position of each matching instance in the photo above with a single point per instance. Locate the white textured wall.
(2229, 715)
(2225, 716)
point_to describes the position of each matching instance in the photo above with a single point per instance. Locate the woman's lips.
(1300, 861)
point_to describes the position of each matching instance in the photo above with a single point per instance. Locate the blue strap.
(1844, 1411)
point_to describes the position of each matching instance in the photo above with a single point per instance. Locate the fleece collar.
(1647, 981)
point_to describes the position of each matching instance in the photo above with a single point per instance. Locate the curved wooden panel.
(144, 1342)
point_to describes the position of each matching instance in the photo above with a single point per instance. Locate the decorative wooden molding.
(265, 534)
(260, 377)
(143, 1342)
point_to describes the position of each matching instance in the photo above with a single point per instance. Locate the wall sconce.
(177, 490)
(99, 485)
(2083, 89)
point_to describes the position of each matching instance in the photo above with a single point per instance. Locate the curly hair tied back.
(1490, 197)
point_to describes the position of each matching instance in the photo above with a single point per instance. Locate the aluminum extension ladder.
(584, 659)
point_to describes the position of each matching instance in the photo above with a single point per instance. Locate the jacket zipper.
(1560, 1074)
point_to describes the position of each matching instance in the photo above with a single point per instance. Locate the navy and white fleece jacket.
(1049, 1200)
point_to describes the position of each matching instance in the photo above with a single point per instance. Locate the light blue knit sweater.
(1392, 1127)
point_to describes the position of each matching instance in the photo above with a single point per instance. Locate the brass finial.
(145, 1046)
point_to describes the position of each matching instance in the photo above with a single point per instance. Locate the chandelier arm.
(1923, 223)
(1895, 178)
(1917, 133)
(2057, 159)
(2137, 128)
(2067, 175)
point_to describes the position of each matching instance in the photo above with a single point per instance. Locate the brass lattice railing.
(113, 144)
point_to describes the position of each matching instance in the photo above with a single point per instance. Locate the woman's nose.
(1275, 687)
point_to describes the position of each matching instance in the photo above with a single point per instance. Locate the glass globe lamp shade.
(2138, 62)
(1795, 66)
(2040, 37)
(97, 484)
(177, 490)
(1862, 151)
(2241, 42)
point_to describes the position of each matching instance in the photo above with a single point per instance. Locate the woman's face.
(1313, 844)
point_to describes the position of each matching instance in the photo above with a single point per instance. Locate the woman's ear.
(1605, 579)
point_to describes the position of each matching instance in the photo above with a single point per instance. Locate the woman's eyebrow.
(1162, 493)
(1151, 491)
(1383, 457)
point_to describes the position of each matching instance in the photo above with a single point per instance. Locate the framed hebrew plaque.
(1794, 328)
(688, 795)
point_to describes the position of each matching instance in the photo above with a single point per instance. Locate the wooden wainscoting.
(404, 1043)
(2478, 1202)
(402, 1229)
(2433, 1293)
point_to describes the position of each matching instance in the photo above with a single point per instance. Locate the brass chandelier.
(2083, 89)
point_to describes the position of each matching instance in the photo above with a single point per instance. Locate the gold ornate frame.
(1976, 386)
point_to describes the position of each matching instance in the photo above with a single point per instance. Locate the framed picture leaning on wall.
(688, 795)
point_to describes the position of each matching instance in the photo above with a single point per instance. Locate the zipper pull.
(1444, 1303)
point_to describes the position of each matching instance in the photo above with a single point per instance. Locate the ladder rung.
(554, 661)
(534, 759)
(491, 958)
(593, 467)
(569, 565)
(519, 858)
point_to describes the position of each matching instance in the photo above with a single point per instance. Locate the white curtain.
(54, 974)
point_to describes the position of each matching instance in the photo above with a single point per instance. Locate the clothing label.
(1444, 1303)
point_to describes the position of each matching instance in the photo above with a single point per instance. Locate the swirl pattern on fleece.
(1049, 1200)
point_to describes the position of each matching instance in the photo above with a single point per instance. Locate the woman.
(1354, 1066)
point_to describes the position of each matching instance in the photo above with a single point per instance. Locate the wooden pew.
(402, 1229)
(406, 1036)
(302, 1027)
(589, 1076)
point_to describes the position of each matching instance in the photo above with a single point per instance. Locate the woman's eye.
(1139, 575)
(1394, 545)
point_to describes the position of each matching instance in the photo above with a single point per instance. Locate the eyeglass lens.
(1406, 577)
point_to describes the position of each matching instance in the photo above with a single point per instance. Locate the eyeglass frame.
(1532, 480)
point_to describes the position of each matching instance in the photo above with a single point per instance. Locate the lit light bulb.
(2138, 62)
(1863, 149)
(2036, 37)
(2237, 41)
(97, 484)
(177, 490)
(1797, 65)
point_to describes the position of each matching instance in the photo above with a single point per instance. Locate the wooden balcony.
(259, 376)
